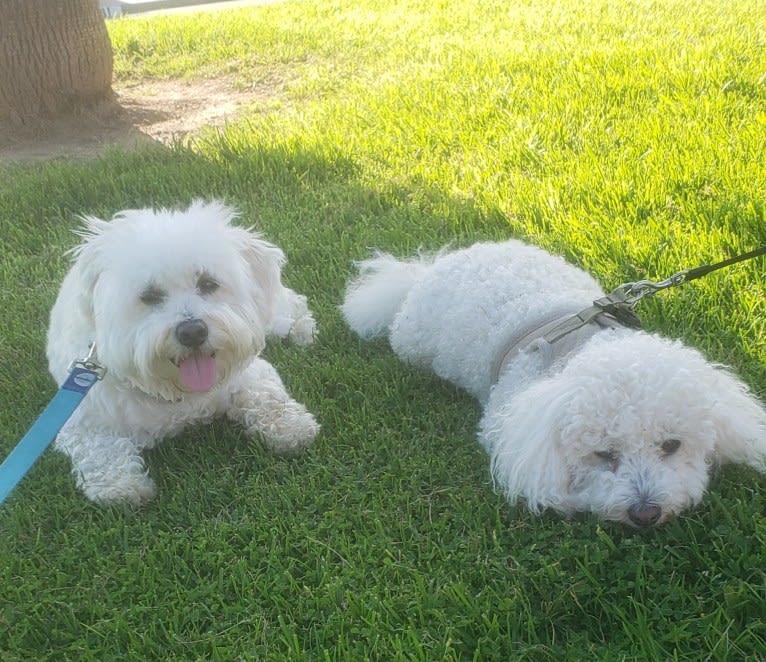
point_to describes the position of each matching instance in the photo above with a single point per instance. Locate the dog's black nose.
(191, 333)
(644, 515)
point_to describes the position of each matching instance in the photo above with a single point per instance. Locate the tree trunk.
(55, 58)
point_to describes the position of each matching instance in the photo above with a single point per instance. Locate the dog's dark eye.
(152, 296)
(207, 285)
(608, 456)
(670, 446)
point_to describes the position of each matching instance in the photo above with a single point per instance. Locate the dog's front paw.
(290, 431)
(303, 330)
(131, 489)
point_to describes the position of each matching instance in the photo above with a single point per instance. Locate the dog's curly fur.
(622, 423)
(179, 305)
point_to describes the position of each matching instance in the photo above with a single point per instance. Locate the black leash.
(620, 303)
(633, 292)
(704, 270)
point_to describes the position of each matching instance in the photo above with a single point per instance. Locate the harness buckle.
(620, 305)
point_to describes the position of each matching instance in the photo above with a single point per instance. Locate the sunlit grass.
(627, 136)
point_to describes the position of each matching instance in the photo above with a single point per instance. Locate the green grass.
(626, 135)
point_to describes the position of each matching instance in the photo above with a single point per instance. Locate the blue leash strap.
(84, 374)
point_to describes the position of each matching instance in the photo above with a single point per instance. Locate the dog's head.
(629, 429)
(178, 300)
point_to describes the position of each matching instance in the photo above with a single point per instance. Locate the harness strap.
(613, 304)
(610, 311)
(521, 341)
(44, 430)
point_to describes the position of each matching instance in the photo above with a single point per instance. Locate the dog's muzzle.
(644, 515)
(197, 370)
(192, 333)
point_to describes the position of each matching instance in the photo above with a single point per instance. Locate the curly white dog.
(179, 305)
(606, 419)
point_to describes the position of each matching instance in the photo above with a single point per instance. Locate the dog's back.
(452, 312)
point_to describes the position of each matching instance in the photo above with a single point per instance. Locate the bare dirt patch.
(154, 112)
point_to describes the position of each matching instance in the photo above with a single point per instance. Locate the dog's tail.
(375, 296)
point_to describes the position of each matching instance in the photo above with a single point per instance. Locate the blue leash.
(83, 375)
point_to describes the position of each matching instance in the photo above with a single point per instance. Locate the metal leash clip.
(90, 363)
(634, 292)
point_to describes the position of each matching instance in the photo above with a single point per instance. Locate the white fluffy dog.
(607, 419)
(179, 305)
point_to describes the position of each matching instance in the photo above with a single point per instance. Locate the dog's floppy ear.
(72, 318)
(740, 422)
(88, 263)
(264, 261)
(523, 438)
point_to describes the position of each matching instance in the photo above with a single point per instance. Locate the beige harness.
(545, 333)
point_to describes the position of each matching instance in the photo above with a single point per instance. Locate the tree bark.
(55, 58)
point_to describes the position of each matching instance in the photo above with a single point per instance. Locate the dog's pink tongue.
(198, 372)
